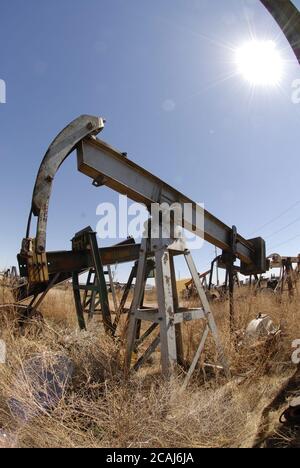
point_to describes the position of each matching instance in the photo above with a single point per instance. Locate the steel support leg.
(112, 287)
(78, 303)
(166, 312)
(101, 281)
(231, 299)
(136, 304)
(168, 316)
(178, 326)
(125, 295)
(208, 313)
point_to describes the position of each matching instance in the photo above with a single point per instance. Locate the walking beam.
(107, 166)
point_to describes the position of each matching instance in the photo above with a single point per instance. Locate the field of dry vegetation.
(97, 407)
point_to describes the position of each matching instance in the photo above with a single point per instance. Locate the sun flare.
(260, 63)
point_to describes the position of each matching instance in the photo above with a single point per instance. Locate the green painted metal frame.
(99, 287)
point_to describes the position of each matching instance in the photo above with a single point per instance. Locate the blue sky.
(218, 142)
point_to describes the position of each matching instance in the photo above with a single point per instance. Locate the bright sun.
(260, 63)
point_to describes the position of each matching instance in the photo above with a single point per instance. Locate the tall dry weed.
(97, 407)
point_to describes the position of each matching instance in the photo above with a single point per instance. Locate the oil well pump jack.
(108, 167)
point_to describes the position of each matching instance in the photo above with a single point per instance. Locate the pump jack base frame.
(95, 292)
(168, 317)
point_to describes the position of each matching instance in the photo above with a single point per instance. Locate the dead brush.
(99, 408)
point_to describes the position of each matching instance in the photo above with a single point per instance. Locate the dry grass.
(99, 408)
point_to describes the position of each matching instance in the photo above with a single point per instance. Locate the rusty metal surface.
(66, 262)
(288, 18)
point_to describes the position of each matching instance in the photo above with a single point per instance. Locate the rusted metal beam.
(277, 261)
(67, 262)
